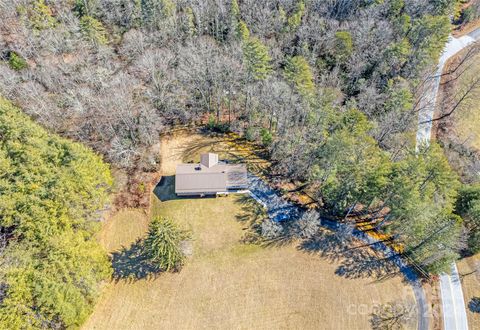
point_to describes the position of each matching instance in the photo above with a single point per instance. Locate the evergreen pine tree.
(257, 59)
(162, 244)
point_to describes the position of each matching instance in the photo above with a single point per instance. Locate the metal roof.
(198, 178)
(200, 182)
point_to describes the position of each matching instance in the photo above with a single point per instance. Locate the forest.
(331, 88)
(51, 191)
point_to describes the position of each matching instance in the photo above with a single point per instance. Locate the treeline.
(115, 73)
(331, 87)
(50, 192)
(410, 195)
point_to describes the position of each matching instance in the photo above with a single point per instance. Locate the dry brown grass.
(227, 284)
(471, 286)
(230, 285)
(466, 120)
(459, 133)
(468, 126)
(186, 146)
(123, 228)
(466, 29)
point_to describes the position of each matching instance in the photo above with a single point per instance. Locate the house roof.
(236, 175)
(201, 178)
(200, 182)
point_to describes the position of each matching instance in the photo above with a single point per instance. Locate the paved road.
(427, 103)
(453, 305)
(475, 34)
(279, 209)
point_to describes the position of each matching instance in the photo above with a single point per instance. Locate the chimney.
(209, 159)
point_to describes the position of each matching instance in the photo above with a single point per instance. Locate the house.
(210, 177)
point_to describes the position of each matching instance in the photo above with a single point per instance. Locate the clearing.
(469, 271)
(227, 284)
(460, 132)
(467, 120)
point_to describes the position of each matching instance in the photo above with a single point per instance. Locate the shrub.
(242, 31)
(344, 44)
(215, 126)
(211, 122)
(251, 134)
(295, 20)
(266, 136)
(271, 229)
(39, 15)
(299, 73)
(17, 62)
(468, 15)
(308, 224)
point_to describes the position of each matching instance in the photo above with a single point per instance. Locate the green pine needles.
(257, 59)
(50, 192)
(16, 62)
(299, 73)
(163, 244)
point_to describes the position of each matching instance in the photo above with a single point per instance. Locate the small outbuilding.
(210, 177)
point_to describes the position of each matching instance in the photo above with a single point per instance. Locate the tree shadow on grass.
(356, 259)
(474, 305)
(224, 145)
(195, 148)
(211, 143)
(131, 264)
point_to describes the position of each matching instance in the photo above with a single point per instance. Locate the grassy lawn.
(467, 118)
(471, 286)
(122, 229)
(227, 284)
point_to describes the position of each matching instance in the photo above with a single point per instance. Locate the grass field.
(471, 286)
(227, 284)
(467, 117)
